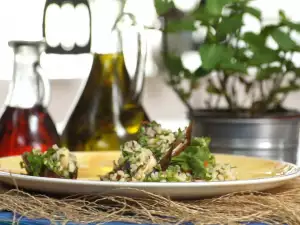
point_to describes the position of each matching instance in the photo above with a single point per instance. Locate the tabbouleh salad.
(160, 155)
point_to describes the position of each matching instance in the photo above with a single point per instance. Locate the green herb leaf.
(34, 163)
(253, 39)
(205, 17)
(291, 25)
(215, 7)
(253, 11)
(210, 55)
(267, 73)
(267, 30)
(282, 15)
(242, 55)
(230, 24)
(37, 163)
(297, 72)
(174, 64)
(234, 67)
(180, 25)
(196, 158)
(283, 40)
(200, 72)
(263, 55)
(163, 6)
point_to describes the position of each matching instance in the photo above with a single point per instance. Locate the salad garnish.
(161, 155)
(55, 162)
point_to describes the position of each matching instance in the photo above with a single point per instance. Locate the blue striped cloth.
(6, 218)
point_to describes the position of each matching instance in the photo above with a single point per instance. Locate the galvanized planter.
(274, 131)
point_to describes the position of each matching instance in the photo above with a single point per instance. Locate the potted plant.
(240, 68)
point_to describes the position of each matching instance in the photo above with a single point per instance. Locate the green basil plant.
(230, 53)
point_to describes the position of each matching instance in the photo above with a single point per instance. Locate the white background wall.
(22, 19)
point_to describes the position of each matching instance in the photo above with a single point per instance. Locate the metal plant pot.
(274, 131)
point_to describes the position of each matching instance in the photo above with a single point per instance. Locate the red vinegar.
(24, 129)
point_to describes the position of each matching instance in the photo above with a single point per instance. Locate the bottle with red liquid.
(25, 122)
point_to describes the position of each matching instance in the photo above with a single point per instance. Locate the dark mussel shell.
(50, 174)
(181, 146)
(166, 159)
(176, 148)
(25, 161)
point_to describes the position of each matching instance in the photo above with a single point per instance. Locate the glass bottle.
(25, 122)
(109, 110)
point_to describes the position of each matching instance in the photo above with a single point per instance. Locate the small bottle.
(25, 122)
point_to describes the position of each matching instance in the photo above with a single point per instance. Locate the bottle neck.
(25, 86)
(109, 43)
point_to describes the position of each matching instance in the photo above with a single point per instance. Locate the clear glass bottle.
(25, 122)
(109, 111)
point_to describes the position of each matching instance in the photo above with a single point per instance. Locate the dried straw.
(274, 207)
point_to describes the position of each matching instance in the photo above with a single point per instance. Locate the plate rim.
(295, 172)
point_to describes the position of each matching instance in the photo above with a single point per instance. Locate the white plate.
(255, 175)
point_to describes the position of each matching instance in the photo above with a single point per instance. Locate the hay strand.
(277, 206)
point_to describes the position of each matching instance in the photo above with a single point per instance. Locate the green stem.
(208, 102)
(234, 94)
(217, 104)
(223, 83)
(282, 99)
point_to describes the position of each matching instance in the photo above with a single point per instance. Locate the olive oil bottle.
(108, 112)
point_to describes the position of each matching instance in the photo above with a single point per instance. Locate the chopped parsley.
(55, 162)
(160, 155)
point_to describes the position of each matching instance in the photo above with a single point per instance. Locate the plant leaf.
(196, 158)
(291, 25)
(215, 7)
(234, 67)
(283, 40)
(253, 11)
(267, 30)
(174, 65)
(186, 73)
(262, 58)
(297, 72)
(263, 55)
(230, 24)
(200, 72)
(185, 24)
(267, 73)
(253, 39)
(241, 55)
(163, 6)
(210, 55)
(287, 89)
(227, 53)
(205, 17)
(282, 15)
